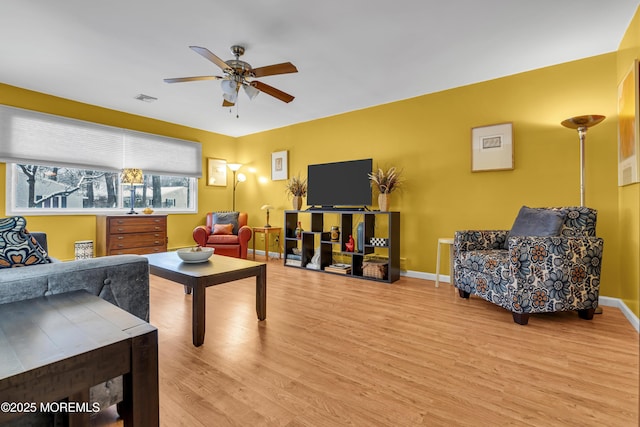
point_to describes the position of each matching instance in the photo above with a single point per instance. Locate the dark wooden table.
(198, 277)
(57, 347)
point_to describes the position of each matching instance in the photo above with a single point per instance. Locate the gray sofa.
(123, 280)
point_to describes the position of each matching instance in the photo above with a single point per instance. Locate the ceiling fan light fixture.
(228, 87)
(251, 91)
(230, 97)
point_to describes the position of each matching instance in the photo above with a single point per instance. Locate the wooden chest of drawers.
(130, 234)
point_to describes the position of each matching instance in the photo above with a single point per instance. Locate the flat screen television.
(340, 184)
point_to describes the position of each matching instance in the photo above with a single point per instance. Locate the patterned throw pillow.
(227, 218)
(17, 247)
(222, 228)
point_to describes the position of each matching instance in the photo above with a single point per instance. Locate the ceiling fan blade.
(203, 51)
(191, 79)
(226, 103)
(270, 70)
(270, 90)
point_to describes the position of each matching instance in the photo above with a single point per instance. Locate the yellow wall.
(429, 137)
(629, 196)
(64, 230)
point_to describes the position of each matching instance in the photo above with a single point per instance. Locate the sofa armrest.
(123, 280)
(201, 234)
(558, 267)
(244, 234)
(478, 240)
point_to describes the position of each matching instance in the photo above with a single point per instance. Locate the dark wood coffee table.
(57, 347)
(198, 277)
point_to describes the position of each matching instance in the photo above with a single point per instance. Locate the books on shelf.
(293, 262)
(338, 268)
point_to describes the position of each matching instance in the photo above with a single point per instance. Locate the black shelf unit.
(318, 233)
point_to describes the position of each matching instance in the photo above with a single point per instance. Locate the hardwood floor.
(335, 351)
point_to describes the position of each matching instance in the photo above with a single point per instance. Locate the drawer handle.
(120, 229)
(120, 221)
(120, 237)
(157, 228)
(121, 245)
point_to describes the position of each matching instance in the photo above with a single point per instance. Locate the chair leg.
(463, 294)
(586, 314)
(520, 318)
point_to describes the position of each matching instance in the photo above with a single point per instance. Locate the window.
(61, 165)
(57, 190)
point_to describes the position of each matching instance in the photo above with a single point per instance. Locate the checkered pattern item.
(379, 241)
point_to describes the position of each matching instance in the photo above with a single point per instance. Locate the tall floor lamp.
(236, 179)
(582, 123)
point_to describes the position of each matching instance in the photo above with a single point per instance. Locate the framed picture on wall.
(216, 172)
(628, 121)
(279, 166)
(492, 147)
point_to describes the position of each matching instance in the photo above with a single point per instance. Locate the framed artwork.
(492, 147)
(216, 172)
(628, 139)
(279, 166)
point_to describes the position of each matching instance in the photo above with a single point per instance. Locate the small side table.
(266, 231)
(444, 241)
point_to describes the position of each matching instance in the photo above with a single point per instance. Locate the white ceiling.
(351, 54)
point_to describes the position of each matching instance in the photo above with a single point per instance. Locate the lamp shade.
(132, 176)
(266, 207)
(241, 177)
(230, 97)
(234, 166)
(251, 91)
(228, 87)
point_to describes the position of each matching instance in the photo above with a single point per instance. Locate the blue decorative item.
(360, 236)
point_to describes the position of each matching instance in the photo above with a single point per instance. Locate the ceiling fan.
(238, 74)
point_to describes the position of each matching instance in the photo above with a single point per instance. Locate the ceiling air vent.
(145, 98)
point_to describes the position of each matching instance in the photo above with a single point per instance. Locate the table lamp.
(267, 207)
(132, 177)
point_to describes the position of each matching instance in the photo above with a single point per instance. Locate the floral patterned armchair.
(533, 274)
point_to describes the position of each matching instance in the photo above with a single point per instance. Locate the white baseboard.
(602, 300)
(618, 303)
(272, 254)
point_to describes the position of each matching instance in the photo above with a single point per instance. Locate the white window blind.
(38, 138)
(159, 155)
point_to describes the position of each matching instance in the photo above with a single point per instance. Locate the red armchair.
(230, 241)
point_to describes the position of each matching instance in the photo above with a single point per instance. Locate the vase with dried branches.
(296, 188)
(385, 182)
